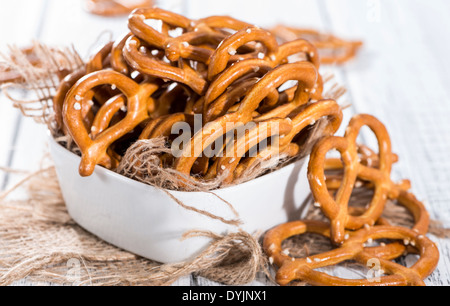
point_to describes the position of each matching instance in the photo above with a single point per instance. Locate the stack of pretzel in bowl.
(228, 71)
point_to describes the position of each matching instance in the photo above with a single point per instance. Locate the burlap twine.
(40, 242)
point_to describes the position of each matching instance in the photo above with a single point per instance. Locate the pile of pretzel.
(230, 72)
(354, 231)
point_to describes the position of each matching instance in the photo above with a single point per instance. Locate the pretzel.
(189, 45)
(58, 100)
(260, 132)
(162, 126)
(306, 115)
(303, 72)
(249, 67)
(341, 50)
(95, 151)
(303, 269)
(231, 44)
(153, 66)
(368, 158)
(95, 63)
(98, 61)
(118, 61)
(110, 8)
(337, 209)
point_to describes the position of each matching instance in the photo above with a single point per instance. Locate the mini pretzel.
(97, 62)
(114, 7)
(58, 100)
(337, 209)
(233, 153)
(258, 67)
(118, 61)
(352, 249)
(368, 158)
(189, 45)
(304, 72)
(162, 126)
(306, 116)
(341, 50)
(228, 47)
(153, 66)
(95, 151)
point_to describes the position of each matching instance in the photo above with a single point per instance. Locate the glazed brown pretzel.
(114, 7)
(368, 158)
(192, 44)
(232, 153)
(353, 249)
(213, 106)
(151, 65)
(95, 151)
(337, 50)
(304, 117)
(304, 72)
(337, 209)
(222, 55)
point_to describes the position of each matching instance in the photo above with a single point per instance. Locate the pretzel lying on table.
(352, 249)
(334, 50)
(368, 224)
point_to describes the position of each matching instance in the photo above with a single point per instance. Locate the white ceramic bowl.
(146, 221)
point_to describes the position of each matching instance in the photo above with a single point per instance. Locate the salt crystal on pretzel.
(336, 208)
(95, 151)
(304, 72)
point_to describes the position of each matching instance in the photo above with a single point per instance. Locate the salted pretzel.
(222, 55)
(95, 151)
(336, 209)
(162, 126)
(248, 139)
(97, 62)
(118, 61)
(303, 72)
(334, 50)
(354, 248)
(151, 65)
(252, 67)
(301, 119)
(114, 7)
(192, 43)
(58, 100)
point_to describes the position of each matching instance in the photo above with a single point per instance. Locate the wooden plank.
(402, 78)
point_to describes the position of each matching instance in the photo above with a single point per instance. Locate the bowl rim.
(258, 180)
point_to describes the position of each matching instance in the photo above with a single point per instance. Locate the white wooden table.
(401, 76)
